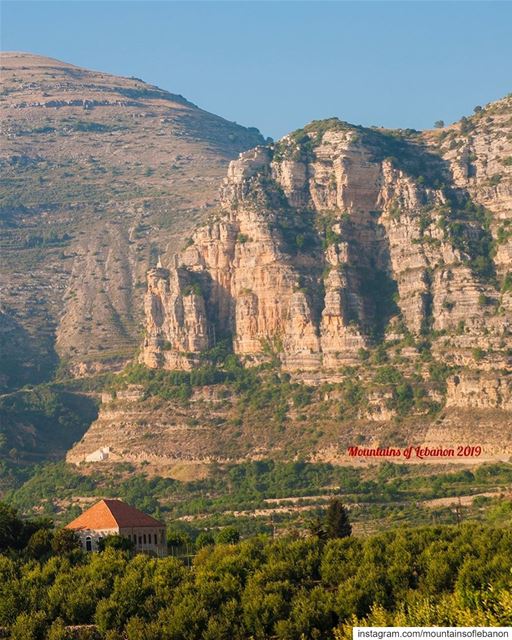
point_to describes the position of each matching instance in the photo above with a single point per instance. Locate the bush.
(204, 539)
(478, 354)
(121, 543)
(228, 535)
(65, 541)
(29, 626)
(388, 375)
(507, 283)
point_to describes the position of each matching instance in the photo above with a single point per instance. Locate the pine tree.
(337, 523)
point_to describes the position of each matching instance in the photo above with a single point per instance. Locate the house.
(115, 517)
(98, 455)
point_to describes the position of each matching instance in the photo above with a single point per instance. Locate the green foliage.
(467, 226)
(478, 354)
(65, 542)
(354, 396)
(403, 398)
(11, 527)
(397, 497)
(388, 375)
(504, 232)
(91, 127)
(39, 545)
(29, 626)
(204, 539)
(261, 588)
(439, 372)
(466, 126)
(363, 354)
(401, 148)
(337, 523)
(192, 289)
(242, 238)
(380, 355)
(114, 541)
(228, 535)
(300, 144)
(58, 418)
(507, 283)
(49, 239)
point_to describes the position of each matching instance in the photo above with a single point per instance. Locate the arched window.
(144, 538)
(88, 543)
(155, 538)
(140, 540)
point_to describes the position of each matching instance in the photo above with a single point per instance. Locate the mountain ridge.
(347, 285)
(88, 156)
(282, 278)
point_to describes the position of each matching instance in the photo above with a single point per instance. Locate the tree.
(337, 523)
(40, 544)
(204, 539)
(477, 109)
(11, 528)
(317, 528)
(465, 125)
(65, 541)
(439, 124)
(115, 542)
(178, 538)
(228, 535)
(29, 626)
(58, 630)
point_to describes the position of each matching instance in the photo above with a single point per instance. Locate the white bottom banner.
(424, 633)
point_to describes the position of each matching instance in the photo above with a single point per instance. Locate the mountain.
(100, 175)
(354, 286)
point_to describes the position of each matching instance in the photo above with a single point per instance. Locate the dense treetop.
(262, 588)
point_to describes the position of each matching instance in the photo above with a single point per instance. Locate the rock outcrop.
(372, 267)
(331, 240)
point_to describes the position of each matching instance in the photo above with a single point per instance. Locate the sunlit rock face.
(334, 238)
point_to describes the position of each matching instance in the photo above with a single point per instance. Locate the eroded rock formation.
(331, 240)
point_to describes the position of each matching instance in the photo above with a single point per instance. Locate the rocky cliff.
(349, 285)
(368, 272)
(338, 238)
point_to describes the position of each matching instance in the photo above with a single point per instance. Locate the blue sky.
(279, 65)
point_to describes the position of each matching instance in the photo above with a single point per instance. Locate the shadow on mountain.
(25, 359)
(43, 423)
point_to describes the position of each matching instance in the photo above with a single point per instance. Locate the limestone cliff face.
(386, 251)
(332, 239)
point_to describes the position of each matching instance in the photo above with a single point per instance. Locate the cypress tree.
(337, 523)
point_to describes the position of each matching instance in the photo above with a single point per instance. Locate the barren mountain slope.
(99, 175)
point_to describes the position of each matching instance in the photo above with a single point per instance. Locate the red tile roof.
(111, 514)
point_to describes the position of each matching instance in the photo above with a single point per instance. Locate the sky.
(279, 65)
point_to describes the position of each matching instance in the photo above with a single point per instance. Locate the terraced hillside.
(99, 175)
(353, 287)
